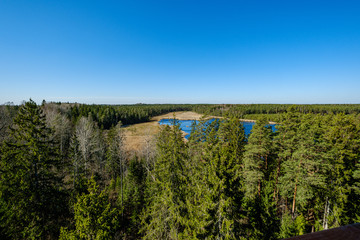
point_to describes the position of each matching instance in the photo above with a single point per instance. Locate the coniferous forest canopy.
(64, 172)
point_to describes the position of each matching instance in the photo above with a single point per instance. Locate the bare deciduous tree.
(5, 122)
(149, 153)
(88, 138)
(61, 126)
(116, 153)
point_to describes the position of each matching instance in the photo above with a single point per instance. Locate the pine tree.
(30, 187)
(259, 170)
(258, 165)
(343, 139)
(286, 143)
(303, 165)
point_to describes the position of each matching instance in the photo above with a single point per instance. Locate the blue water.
(185, 125)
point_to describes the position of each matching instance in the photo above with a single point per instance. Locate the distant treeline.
(108, 116)
(248, 109)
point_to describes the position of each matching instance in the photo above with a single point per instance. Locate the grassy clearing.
(137, 135)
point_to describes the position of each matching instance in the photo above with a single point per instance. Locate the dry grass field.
(138, 135)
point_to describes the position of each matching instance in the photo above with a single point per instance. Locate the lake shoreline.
(138, 134)
(186, 125)
(190, 116)
(211, 117)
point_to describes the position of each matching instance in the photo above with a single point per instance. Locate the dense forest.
(108, 116)
(64, 173)
(272, 111)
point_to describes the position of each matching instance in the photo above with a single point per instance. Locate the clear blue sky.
(180, 51)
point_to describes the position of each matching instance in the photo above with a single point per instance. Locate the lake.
(185, 125)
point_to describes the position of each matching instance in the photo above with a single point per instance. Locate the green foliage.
(108, 116)
(287, 228)
(253, 111)
(134, 196)
(164, 216)
(343, 142)
(261, 216)
(292, 227)
(259, 168)
(300, 224)
(217, 185)
(258, 159)
(31, 195)
(356, 176)
(303, 164)
(94, 216)
(223, 173)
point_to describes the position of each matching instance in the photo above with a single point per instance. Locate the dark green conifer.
(258, 164)
(303, 164)
(95, 218)
(134, 196)
(259, 170)
(30, 186)
(167, 209)
(224, 173)
(343, 141)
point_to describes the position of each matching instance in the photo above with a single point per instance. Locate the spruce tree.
(199, 195)
(95, 218)
(134, 196)
(224, 173)
(166, 211)
(30, 186)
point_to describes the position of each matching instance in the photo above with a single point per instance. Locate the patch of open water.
(185, 125)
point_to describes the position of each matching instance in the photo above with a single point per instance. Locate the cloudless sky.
(180, 51)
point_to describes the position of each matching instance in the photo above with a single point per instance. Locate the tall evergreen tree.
(95, 218)
(343, 139)
(259, 170)
(164, 218)
(224, 173)
(258, 164)
(286, 143)
(134, 197)
(303, 166)
(30, 186)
